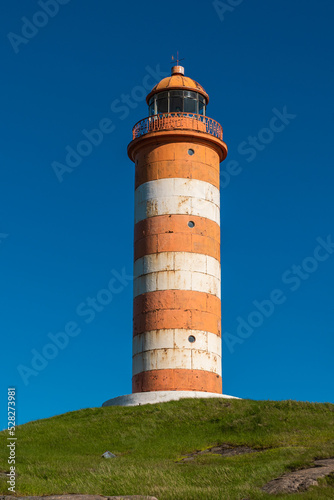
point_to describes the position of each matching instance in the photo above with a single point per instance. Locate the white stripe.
(176, 338)
(177, 196)
(165, 359)
(177, 261)
(177, 280)
(177, 271)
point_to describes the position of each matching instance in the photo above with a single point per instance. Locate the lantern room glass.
(177, 101)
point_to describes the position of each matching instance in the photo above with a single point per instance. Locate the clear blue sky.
(62, 242)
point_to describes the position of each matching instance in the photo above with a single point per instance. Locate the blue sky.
(268, 68)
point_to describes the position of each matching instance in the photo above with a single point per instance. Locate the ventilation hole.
(191, 152)
(191, 223)
(191, 339)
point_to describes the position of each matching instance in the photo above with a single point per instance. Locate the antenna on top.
(177, 59)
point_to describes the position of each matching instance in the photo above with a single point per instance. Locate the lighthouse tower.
(177, 151)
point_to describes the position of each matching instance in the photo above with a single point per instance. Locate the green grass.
(63, 454)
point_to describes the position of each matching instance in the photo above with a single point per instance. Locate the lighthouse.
(177, 150)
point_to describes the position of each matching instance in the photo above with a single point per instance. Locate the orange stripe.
(177, 224)
(171, 233)
(177, 243)
(172, 169)
(177, 318)
(176, 299)
(177, 380)
(173, 160)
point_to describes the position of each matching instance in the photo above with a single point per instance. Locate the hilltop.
(157, 450)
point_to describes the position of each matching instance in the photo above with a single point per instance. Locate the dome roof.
(177, 81)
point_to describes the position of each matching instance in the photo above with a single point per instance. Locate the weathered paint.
(176, 280)
(177, 224)
(177, 318)
(178, 271)
(176, 155)
(171, 233)
(176, 339)
(177, 81)
(177, 380)
(164, 163)
(177, 261)
(177, 196)
(163, 359)
(176, 309)
(177, 256)
(176, 299)
(174, 242)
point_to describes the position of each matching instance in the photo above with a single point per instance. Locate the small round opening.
(191, 223)
(191, 152)
(191, 339)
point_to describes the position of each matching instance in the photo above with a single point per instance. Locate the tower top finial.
(177, 59)
(177, 69)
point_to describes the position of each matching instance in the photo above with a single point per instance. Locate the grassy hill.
(63, 454)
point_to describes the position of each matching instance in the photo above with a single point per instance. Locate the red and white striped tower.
(177, 152)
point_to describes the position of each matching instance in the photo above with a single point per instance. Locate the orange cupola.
(177, 80)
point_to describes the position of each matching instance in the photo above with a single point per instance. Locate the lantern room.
(177, 94)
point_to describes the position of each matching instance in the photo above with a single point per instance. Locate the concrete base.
(145, 398)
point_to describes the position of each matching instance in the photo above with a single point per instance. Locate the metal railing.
(171, 121)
